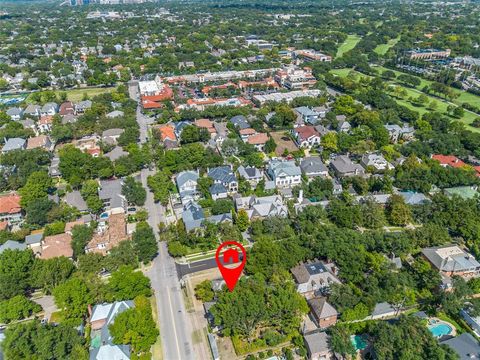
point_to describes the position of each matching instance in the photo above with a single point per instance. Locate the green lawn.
(467, 119)
(76, 95)
(383, 48)
(349, 44)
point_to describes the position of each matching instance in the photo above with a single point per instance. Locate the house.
(284, 173)
(15, 113)
(225, 176)
(206, 124)
(116, 153)
(344, 126)
(45, 123)
(187, 185)
(167, 133)
(314, 277)
(49, 109)
(34, 242)
(449, 160)
(251, 174)
(222, 132)
(83, 106)
(101, 344)
(114, 114)
(41, 141)
(413, 198)
(262, 207)
(324, 314)
(69, 119)
(344, 167)
(110, 233)
(240, 122)
(66, 108)
(192, 216)
(12, 245)
(465, 192)
(218, 191)
(397, 132)
(383, 310)
(318, 346)
(110, 193)
(307, 115)
(10, 208)
(55, 246)
(258, 141)
(13, 144)
(246, 133)
(306, 136)
(111, 136)
(32, 110)
(313, 166)
(75, 199)
(375, 161)
(451, 260)
(465, 345)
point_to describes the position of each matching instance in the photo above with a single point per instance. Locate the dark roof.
(465, 345)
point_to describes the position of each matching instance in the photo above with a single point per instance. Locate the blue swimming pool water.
(358, 342)
(440, 330)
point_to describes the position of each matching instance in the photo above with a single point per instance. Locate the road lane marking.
(173, 323)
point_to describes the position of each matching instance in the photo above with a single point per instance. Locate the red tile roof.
(449, 160)
(258, 139)
(305, 132)
(10, 204)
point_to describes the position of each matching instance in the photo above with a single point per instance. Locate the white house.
(284, 173)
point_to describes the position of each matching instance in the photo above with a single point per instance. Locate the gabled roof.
(10, 203)
(258, 139)
(14, 144)
(465, 345)
(12, 245)
(317, 342)
(240, 122)
(75, 199)
(450, 258)
(449, 160)
(288, 168)
(321, 308)
(186, 176)
(223, 174)
(249, 172)
(217, 189)
(313, 165)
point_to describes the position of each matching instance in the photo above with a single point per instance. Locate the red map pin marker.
(233, 253)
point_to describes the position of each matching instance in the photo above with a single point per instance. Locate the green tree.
(17, 308)
(145, 243)
(242, 220)
(126, 284)
(33, 340)
(341, 343)
(47, 274)
(204, 291)
(134, 191)
(15, 269)
(330, 142)
(73, 298)
(398, 212)
(161, 185)
(81, 235)
(37, 187)
(136, 327)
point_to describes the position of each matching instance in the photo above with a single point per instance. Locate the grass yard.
(383, 48)
(283, 142)
(349, 44)
(467, 119)
(76, 95)
(156, 350)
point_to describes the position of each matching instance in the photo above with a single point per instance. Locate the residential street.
(175, 330)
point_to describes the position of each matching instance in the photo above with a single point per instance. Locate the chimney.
(89, 310)
(300, 197)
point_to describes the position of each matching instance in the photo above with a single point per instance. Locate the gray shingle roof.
(12, 245)
(14, 144)
(465, 345)
(313, 165)
(317, 342)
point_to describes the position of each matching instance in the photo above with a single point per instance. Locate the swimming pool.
(440, 330)
(359, 343)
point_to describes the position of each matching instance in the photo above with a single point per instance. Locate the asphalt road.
(175, 330)
(185, 269)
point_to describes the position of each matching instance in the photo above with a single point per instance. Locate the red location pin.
(231, 255)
